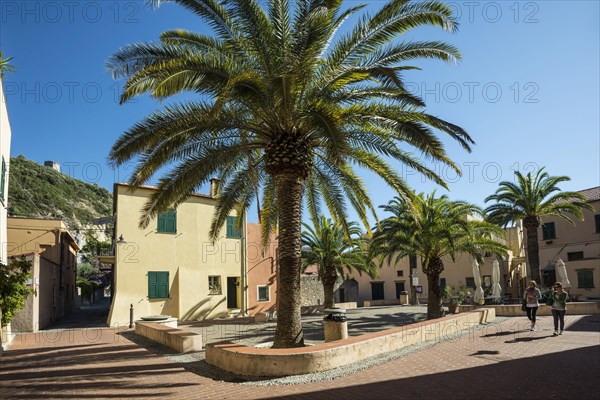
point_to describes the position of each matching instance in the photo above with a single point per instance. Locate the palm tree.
(332, 247)
(5, 65)
(432, 229)
(286, 109)
(530, 199)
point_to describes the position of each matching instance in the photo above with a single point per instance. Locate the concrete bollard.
(335, 324)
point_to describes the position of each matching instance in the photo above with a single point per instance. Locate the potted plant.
(454, 297)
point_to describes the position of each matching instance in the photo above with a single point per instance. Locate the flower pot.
(454, 309)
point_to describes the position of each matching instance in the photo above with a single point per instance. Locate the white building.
(4, 160)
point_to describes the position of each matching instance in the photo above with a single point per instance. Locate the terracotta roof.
(591, 194)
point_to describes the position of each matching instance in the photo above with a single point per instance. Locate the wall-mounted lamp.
(121, 240)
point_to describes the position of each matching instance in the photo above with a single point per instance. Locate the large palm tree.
(333, 248)
(433, 228)
(285, 109)
(530, 199)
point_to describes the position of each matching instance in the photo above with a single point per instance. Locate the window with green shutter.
(2, 180)
(597, 220)
(548, 231)
(167, 222)
(232, 231)
(585, 279)
(158, 285)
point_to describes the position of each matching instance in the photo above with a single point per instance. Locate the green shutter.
(163, 285)
(158, 285)
(232, 231)
(548, 231)
(167, 222)
(171, 221)
(162, 223)
(152, 285)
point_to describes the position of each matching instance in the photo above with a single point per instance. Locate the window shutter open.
(171, 221)
(152, 285)
(232, 231)
(163, 285)
(162, 223)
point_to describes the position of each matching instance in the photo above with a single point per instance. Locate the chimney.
(215, 187)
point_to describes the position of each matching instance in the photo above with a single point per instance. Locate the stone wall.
(311, 290)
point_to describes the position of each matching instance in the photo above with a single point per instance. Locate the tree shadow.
(503, 379)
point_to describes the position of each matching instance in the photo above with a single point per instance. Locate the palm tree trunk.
(329, 278)
(533, 250)
(434, 297)
(288, 332)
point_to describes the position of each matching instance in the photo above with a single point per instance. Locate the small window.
(442, 284)
(585, 279)
(412, 261)
(2, 180)
(574, 256)
(548, 231)
(158, 285)
(399, 273)
(597, 220)
(470, 282)
(232, 231)
(167, 222)
(214, 285)
(263, 293)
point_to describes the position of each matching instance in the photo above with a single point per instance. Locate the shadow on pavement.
(578, 370)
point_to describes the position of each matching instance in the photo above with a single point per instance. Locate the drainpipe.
(244, 266)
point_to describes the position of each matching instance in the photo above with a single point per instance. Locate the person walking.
(559, 307)
(531, 296)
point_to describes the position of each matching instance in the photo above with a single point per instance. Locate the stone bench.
(252, 361)
(177, 339)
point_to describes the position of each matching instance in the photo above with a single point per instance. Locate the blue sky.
(527, 89)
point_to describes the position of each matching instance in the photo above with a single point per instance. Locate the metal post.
(131, 316)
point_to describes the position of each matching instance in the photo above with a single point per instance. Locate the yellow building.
(171, 267)
(577, 245)
(395, 278)
(47, 243)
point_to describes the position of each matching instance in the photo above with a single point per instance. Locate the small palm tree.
(286, 110)
(333, 247)
(5, 65)
(530, 199)
(433, 228)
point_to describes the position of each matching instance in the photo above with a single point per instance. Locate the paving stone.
(503, 362)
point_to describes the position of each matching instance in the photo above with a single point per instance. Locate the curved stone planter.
(252, 361)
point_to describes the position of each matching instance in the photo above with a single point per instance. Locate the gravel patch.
(195, 362)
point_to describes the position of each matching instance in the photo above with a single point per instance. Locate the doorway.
(232, 292)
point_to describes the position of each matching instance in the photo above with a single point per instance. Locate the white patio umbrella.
(561, 274)
(478, 298)
(496, 289)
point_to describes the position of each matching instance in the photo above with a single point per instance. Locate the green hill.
(36, 190)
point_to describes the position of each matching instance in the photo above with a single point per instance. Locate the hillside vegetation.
(36, 190)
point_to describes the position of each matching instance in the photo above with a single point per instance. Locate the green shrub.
(13, 288)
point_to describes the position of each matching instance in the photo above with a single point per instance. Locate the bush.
(13, 288)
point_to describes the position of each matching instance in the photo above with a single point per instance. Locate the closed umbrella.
(561, 274)
(496, 289)
(478, 298)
